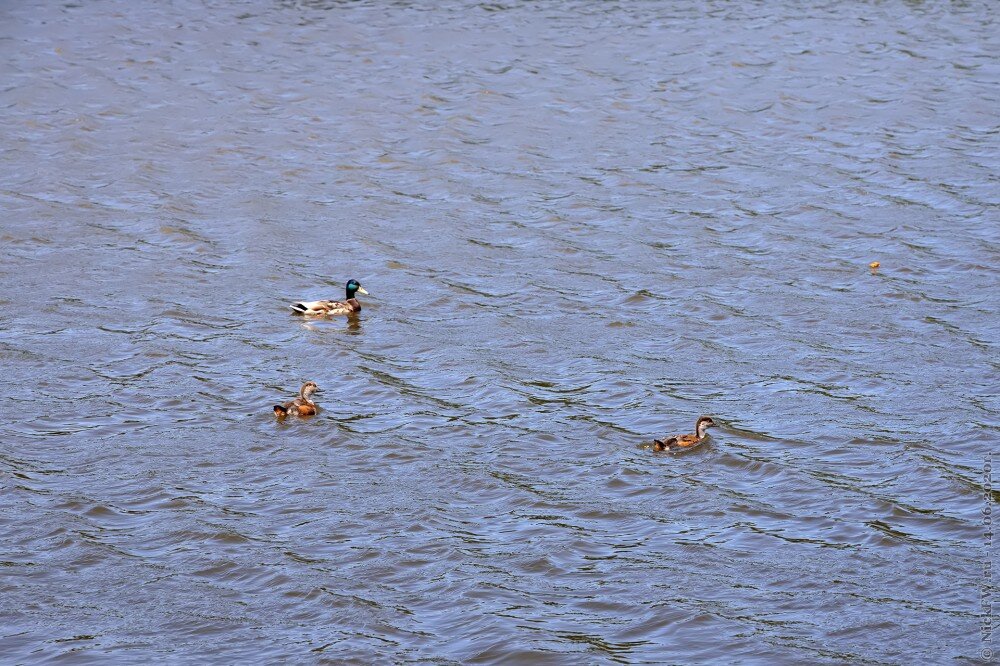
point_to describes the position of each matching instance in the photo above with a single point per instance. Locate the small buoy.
(874, 265)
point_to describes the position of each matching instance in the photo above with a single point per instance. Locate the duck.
(328, 308)
(302, 405)
(681, 442)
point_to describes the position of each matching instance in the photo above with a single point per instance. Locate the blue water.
(582, 225)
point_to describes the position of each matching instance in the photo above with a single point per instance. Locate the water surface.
(583, 224)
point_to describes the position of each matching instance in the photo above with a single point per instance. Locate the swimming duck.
(327, 308)
(680, 442)
(302, 405)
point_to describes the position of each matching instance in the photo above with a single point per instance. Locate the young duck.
(327, 308)
(302, 405)
(680, 442)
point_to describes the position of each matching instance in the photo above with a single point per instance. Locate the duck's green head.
(353, 286)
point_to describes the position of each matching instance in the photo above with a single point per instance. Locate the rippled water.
(582, 224)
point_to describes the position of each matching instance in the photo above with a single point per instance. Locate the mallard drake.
(302, 405)
(327, 308)
(680, 442)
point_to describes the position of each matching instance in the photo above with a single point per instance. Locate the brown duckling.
(327, 308)
(302, 405)
(680, 442)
